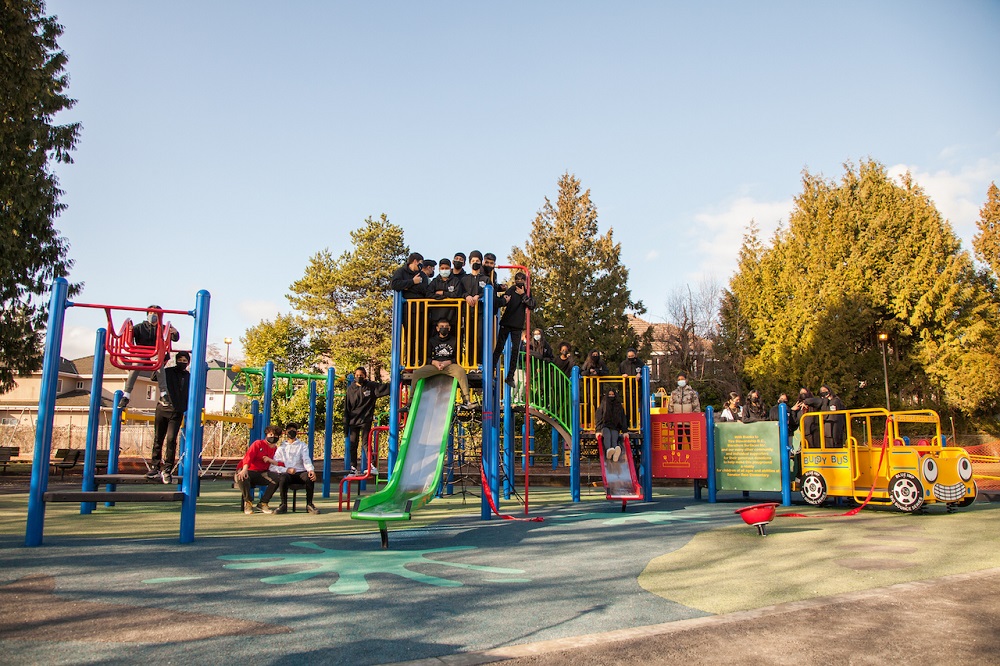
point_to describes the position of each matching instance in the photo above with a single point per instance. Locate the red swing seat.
(124, 354)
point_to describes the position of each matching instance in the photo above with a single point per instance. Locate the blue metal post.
(574, 454)
(93, 422)
(509, 443)
(312, 419)
(257, 429)
(268, 391)
(114, 441)
(555, 448)
(192, 420)
(349, 379)
(710, 445)
(328, 434)
(396, 370)
(647, 438)
(35, 524)
(489, 396)
(783, 446)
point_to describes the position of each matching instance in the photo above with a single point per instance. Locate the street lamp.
(225, 390)
(882, 337)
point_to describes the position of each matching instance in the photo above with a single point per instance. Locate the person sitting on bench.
(254, 470)
(295, 467)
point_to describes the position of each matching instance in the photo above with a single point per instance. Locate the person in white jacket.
(294, 466)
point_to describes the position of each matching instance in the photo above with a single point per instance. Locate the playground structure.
(125, 355)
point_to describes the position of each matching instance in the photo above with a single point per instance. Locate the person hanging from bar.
(144, 335)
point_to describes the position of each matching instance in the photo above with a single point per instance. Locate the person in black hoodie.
(755, 409)
(594, 365)
(175, 382)
(610, 423)
(631, 366)
(833, 426)
(409, 280)
(359, 411)
(565, 360)
(516, 301)
(445, 286)
(144, 335)
(441, 350)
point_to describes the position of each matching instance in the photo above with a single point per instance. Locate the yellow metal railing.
(420, 322)
(592, 389)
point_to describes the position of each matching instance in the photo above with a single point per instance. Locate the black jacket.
(359, 402)
(565, 364)
(630, 366)
(450, 286)
(474, 284)
(144, 334)
(591, 369)
(754, 411)
(611, 414)
(514, 310)
(178, 382)
(402, 281)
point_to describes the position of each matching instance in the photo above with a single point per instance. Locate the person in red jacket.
(253, 470)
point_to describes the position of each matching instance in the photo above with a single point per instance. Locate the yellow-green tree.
(987, 241)
(864, 256)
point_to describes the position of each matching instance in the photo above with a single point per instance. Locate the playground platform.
(672, 579)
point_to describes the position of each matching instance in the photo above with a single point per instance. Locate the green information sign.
(747, 456)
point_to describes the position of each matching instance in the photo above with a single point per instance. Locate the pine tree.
(346, 303)
(577, 277)
(32, 253)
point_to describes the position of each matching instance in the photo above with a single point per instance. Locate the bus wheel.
(906, 492)
(813, 488)
(971, 498)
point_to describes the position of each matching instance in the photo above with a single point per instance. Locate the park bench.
(65, 460)
(7, 453)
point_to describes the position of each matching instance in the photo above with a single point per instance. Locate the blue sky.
(225, 143)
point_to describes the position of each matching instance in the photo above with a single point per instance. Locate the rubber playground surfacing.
(117, 587)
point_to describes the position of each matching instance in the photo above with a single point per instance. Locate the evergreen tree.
(284, 342)
(987, 241)
(32, 253)
(577, 277)
(346, 303)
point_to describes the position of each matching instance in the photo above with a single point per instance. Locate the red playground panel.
(679, 449)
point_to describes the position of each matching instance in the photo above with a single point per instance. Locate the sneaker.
(616, 453)
(281, 509)
(166, 478)
(311, 508)
(373, 470)
(248, 508)
(154, 473)
(264, 508)
(354, 470)
(123, 403)
(467, 406)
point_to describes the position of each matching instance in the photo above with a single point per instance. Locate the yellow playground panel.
(897, 457)
(420, 317)
(593, 389)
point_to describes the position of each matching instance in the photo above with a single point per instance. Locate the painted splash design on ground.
(353, 566)
(652, 517)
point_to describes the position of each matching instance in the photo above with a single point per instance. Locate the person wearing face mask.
(516, 301)
(565, 360)
(593, 365)
(809, 428)
(254, 470)
(833, 426)
(458, 265)
(772, 415)
(359, 412)
(683, 399)
(489, 267)
(631, 366)
(294, 466)
(539, 347)
(441, 350)
(174, 384)
(445, 285)
(610, 422)
(144, 335)
(755, 409)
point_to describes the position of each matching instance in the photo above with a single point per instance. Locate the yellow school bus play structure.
(897, 456)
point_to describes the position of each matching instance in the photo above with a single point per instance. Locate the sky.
(225, 143)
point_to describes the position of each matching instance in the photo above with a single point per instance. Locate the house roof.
(85, 366)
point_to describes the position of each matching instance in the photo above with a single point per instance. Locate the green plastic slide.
(421, 454)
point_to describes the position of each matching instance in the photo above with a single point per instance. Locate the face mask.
(152, 318)
(631, 357)
(272, 440)
(824, 394)
(537, 338)
(457, 265)
(595, 357)
(803, 396)
(681, 383)
(476, 265)
(443, 332)
(519, 285)
(182, 364)
(445, 273)
(487, 269)
(292, 434)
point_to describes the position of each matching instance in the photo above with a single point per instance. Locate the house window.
(59, 386)
(150, 393)
(79, 385)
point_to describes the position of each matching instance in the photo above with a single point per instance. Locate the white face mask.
(681, 383)
(445, 273)
(537, 338)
